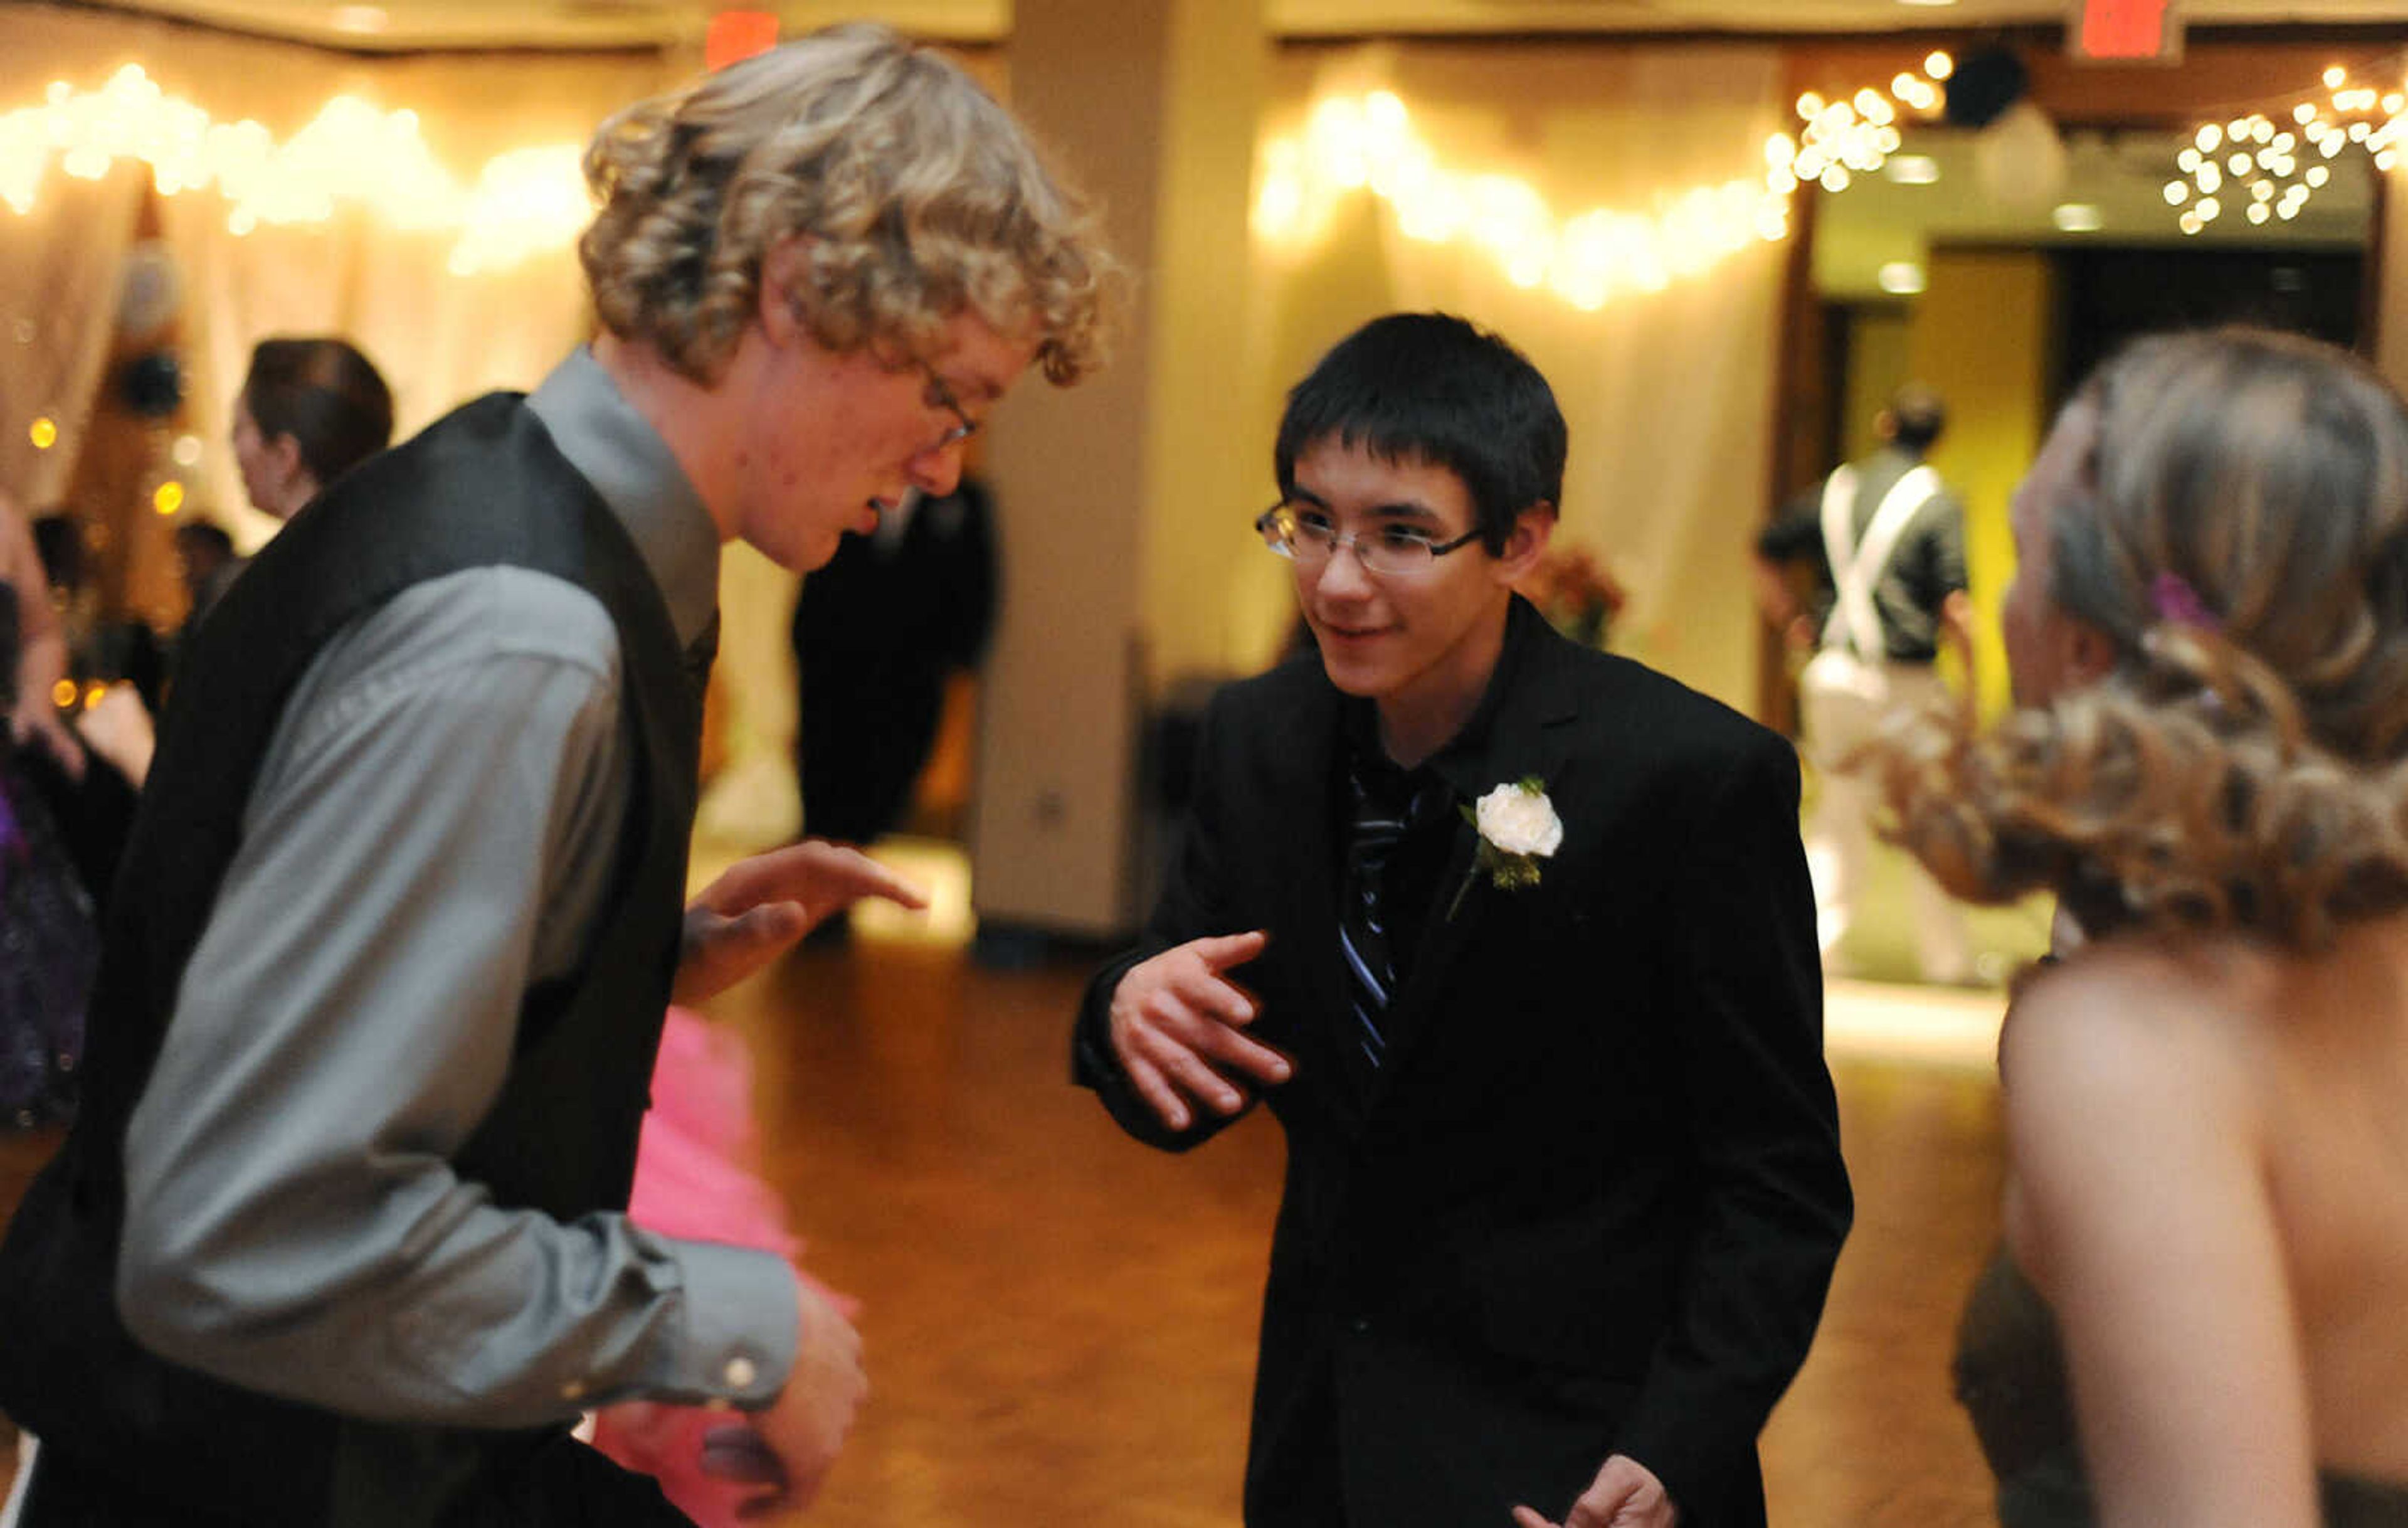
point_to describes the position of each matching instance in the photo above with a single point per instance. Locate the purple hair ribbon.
(2179, 604)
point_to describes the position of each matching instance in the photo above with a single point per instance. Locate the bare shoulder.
(2137, 1032)
(2129, 1074)
(2136, 998)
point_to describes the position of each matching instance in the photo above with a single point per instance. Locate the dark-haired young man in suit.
(1564, 1186)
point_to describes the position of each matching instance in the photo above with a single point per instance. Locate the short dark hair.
(325, 394)
(1916, 416)
(1442, 390)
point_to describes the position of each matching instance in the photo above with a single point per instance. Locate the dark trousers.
(562, 1483)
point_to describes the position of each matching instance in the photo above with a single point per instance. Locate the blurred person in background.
(1883, 540)
(311, 408)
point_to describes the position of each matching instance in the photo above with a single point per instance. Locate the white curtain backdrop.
(437, 336)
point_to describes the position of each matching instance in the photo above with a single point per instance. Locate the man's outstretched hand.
(1176, 1026)
(1624, 1495)
(763, 904)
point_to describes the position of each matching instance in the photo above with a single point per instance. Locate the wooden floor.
(1060, 1323)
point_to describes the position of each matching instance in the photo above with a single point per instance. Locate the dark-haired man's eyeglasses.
(1306, 535)
(940, 396)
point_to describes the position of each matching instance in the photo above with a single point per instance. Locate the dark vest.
(482, 487)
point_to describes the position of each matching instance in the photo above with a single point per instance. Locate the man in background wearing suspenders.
(1888, 540)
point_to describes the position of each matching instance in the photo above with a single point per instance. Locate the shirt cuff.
(743, 1323)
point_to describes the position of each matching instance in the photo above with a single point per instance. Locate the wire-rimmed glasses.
(1306, 535)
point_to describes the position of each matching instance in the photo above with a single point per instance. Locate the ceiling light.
(1912, 169)
(368, 19)
(1900, 277)
(2078, 218)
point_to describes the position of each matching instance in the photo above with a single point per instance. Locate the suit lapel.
(1529, 734)
(1308, 790)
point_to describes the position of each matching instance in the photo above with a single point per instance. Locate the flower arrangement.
(1575, 591)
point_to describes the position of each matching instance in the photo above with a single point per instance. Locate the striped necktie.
(1379, 821)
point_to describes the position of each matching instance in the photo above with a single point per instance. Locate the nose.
(1341, 575)
(937, 472)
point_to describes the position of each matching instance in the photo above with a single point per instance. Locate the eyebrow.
(980, 389)
(1404, 509)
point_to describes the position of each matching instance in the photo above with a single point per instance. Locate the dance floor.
(1060, 1323)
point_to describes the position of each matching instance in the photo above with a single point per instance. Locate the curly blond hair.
(2239, 533)
(921, 198)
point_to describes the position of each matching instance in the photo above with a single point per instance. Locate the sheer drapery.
(437, 336)
(1667, 392)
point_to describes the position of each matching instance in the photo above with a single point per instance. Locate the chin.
(1366, 680)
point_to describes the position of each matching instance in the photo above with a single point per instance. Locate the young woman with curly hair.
(2197, 1315)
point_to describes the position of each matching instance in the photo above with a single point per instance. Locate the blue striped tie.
(1362, 938)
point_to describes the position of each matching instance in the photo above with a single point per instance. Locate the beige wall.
(1110, 493)
(2391, 279)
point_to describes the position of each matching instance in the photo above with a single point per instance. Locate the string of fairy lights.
(1369, 142)
(2269, 168)
(1838, 140)
(531, 201)
(519, 203)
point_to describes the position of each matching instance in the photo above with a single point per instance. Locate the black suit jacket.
(1591, 1204)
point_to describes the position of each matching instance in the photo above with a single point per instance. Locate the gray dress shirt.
(429, 834)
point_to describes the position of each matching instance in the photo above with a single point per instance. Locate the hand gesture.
(790, 1446)
(119, 731)
(1624, 1495)
(765, 903)
(1176, 1016)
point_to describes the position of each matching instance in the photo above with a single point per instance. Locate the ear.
(785, 280)
(1526, 544)
(284, 456)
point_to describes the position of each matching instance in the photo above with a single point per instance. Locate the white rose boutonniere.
(1518, 827)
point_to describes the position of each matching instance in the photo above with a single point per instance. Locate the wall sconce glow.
(1900, 277)
(1369, 143)
(1912, 169)
(360, 19)
(2077, 217)
(44, 433)
(526, 202)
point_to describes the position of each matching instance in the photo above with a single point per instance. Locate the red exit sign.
(2125, 32)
